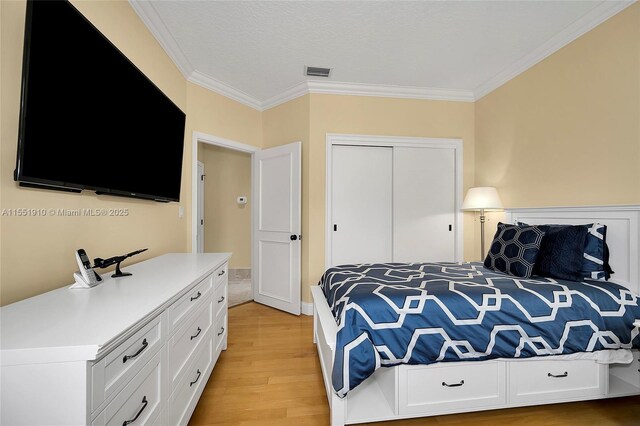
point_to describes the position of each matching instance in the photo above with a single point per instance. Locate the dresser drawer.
(220, 336)
(187, 340)
(141, 399)
(185, 397)
(111, 373)
(559, 380)
(450, 386)
(189, 302)
(221, 274)
(220, 298)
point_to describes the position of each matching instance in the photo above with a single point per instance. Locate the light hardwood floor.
(270, 375)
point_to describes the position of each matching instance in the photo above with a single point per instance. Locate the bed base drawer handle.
(196, 297)
(128, 357)
(221, 299)
(144, 405)
(565, 374)
(221, 331)
(455, 385)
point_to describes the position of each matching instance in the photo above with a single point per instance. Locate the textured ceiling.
(260, 48)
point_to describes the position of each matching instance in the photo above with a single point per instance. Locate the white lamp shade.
(482, 197)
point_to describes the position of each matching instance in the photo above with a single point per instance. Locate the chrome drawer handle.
(197, 378)
(128, 357)
(144, 405)
(221, 331)
(196, 297)
(197, 334)
(558, 375)
(221, 273)
(221, 299)
(455, 385)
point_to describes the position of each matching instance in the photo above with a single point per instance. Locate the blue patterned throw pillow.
(595, 256)
(595, 264)
(514, 249)
(561, 252)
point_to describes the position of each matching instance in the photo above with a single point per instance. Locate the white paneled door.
(362, 194)
(277, 227)
(392, 204)
(424, 190)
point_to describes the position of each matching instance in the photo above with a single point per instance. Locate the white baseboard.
(306, 308)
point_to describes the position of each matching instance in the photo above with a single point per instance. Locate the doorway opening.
(224, 197)
(275, 213)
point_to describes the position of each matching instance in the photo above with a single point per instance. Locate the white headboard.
(623, 233)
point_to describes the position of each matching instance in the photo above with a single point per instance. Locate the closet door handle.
(293, 237)
(128, 357)
(144, 405)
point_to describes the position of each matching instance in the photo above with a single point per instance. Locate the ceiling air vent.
(317, 71)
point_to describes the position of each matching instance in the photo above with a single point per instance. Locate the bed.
(488, 340)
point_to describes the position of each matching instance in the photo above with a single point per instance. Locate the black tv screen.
(89, 118)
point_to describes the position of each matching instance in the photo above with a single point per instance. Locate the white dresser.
(131, 351)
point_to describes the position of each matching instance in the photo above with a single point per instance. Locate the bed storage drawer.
(111, 373)
(189, 302)
(555, 380)
(450, 387)
(140, 402)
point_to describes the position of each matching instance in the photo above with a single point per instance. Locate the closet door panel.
(361, 204)
(423, 204)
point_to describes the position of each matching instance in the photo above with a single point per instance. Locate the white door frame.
(225, 143)
(347, 139)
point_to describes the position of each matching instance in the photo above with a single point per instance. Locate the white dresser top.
(71, 325)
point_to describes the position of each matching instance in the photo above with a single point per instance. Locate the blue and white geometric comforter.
(422, 313)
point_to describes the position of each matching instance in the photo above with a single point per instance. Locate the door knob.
(294, 237)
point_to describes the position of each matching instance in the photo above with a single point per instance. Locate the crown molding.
(389, 91)
(586, 23)
(358, 89)
(154, 23)
(289, 94)
(149, 16)
(224, 89)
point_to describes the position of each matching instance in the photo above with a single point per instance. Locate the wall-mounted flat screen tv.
(89, 118)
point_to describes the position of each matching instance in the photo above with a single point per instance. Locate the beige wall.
(227, 224)
(567, 131)
(216, 115)
(376, 116)
(311, 117)
(534, 138)
(37, 252)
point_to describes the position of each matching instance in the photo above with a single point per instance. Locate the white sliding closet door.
(423, 204)
(362, 185)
